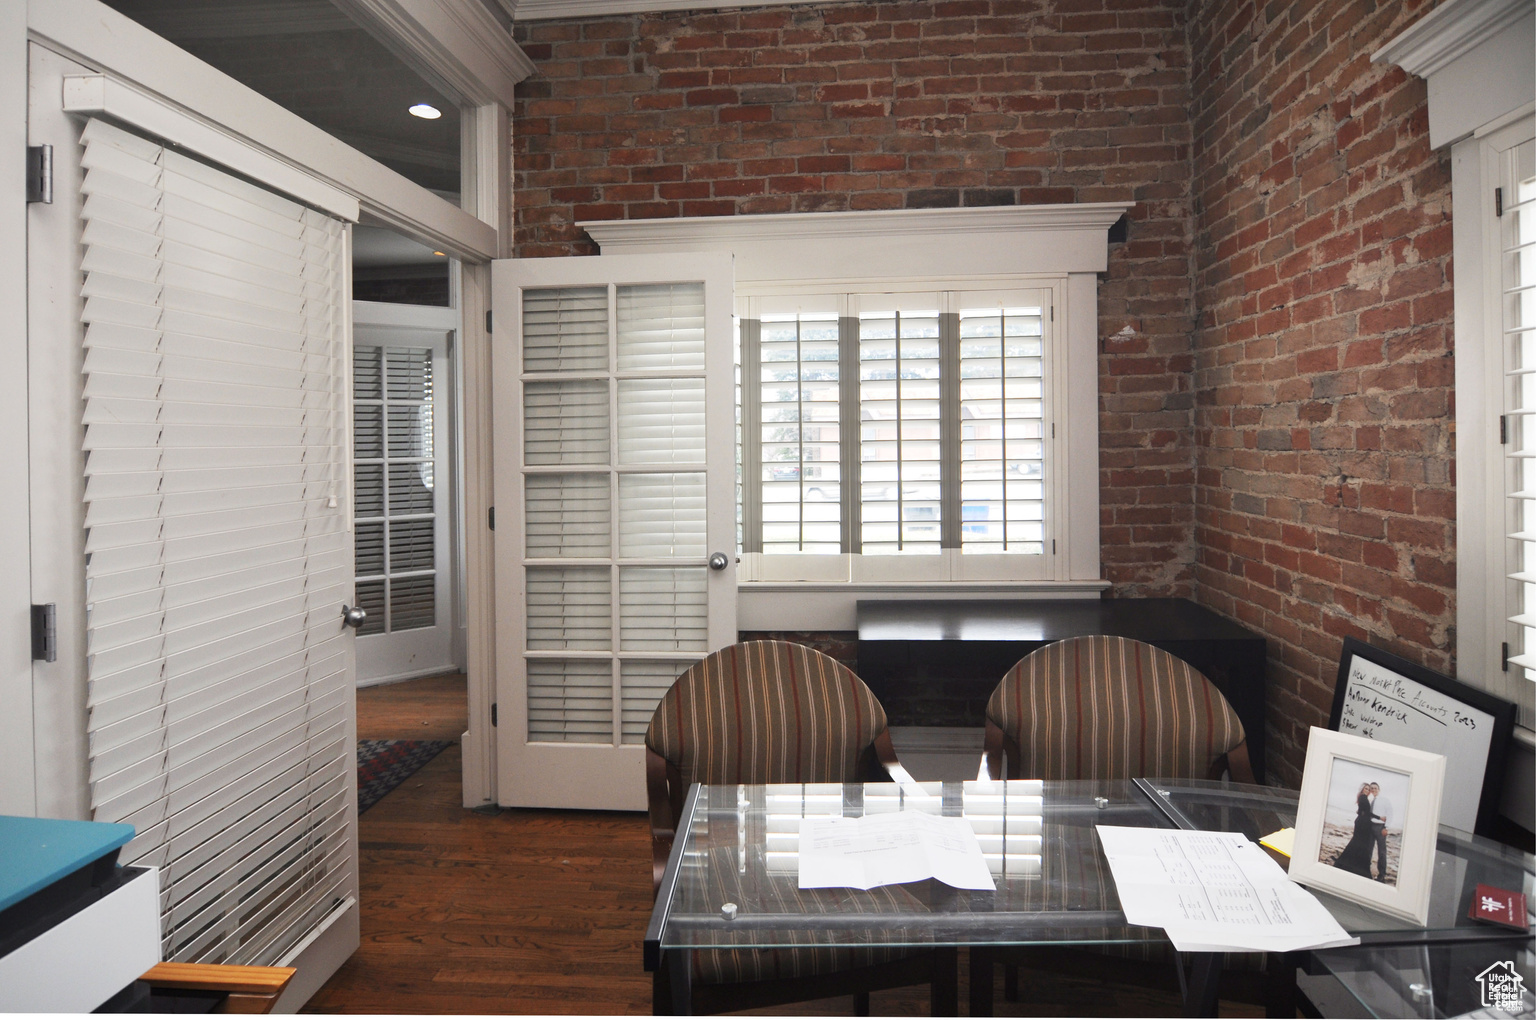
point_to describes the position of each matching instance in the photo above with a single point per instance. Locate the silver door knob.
(353, 616)
(718, 561)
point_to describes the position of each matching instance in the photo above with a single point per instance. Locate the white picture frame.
(1342, 848)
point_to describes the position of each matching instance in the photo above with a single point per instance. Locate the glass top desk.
(731, 881)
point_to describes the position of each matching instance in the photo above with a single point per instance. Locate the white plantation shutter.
(1518, 229)
(610, 473)
(800, 440)
(900, 453)
(217, 693)
(1002, 429)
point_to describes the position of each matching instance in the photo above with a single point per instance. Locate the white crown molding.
(457, 45)
(1448, 32)
(549, 10)
(1047, 239)
(873, 223)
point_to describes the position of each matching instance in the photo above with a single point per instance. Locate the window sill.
(823, 606)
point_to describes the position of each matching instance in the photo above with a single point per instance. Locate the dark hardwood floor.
(542, 912)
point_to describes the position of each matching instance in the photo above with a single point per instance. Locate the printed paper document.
(1214, 891)
(888, 849)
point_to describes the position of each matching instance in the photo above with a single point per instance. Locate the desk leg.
(981, 980)
(944, 988)
(1204, 984)
(672, 984)
(1280, 984)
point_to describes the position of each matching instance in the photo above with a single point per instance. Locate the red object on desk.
(1499, 906)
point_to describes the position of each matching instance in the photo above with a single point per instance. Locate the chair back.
(1103, 707)
(766, 712)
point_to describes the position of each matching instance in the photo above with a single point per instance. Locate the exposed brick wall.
(1325, 497)
(907, 105)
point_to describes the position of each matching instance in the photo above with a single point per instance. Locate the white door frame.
(18, 794)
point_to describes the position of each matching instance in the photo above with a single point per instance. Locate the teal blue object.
(36, 852)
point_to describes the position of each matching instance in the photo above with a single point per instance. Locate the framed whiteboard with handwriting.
(1385, 697)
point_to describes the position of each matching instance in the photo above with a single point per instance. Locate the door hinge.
(40, 174)
(1503, 429)
(487, 320)
(493, 713)
(1504, 656)
(1498, 201)
(492, 518)
(1053, 547)
(45, 635)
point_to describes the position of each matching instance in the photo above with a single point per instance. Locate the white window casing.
(1056, 251)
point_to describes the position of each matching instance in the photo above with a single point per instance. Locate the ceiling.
(312, 60)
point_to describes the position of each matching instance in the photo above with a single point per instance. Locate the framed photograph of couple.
(1367, 822)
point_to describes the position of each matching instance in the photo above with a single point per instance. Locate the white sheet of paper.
(889, 849)
(1213, 891)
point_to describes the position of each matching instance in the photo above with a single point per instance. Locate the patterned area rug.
(383, 765)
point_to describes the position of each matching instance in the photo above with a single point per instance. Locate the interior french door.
(615, 484)
(400, 389)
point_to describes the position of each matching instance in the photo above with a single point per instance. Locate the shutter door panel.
(614, 453)
(218, 691)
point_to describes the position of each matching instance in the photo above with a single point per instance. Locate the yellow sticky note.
(1281, 842)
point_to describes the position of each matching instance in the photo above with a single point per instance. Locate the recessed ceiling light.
(426, 111)
(439, 253)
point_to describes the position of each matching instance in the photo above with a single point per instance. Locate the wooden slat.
(220, 977)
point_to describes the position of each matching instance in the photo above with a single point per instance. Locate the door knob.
(718, 561)
(353, 616)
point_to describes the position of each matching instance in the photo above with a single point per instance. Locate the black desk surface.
(935, 663)
(1045, 620)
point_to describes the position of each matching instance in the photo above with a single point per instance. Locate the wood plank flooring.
(543, 912)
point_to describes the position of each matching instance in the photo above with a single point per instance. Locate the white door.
(615, 489)
(402, 494)
(188, 360)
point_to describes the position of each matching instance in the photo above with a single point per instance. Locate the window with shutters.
(890, 435)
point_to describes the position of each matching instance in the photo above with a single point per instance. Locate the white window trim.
(1067, 243)
(1479, 60)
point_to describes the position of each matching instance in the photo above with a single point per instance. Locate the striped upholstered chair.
(1104, 707)
(775, 712)
(1107, 708)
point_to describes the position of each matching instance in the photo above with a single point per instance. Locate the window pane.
(800, 442)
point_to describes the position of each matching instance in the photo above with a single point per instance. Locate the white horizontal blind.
(218, 695)
(1518, 229)
(899, 446)
(395, 508)
(614, 504)
(1002, 430)
(801, 447)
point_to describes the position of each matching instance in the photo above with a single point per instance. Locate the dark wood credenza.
(936, 663)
